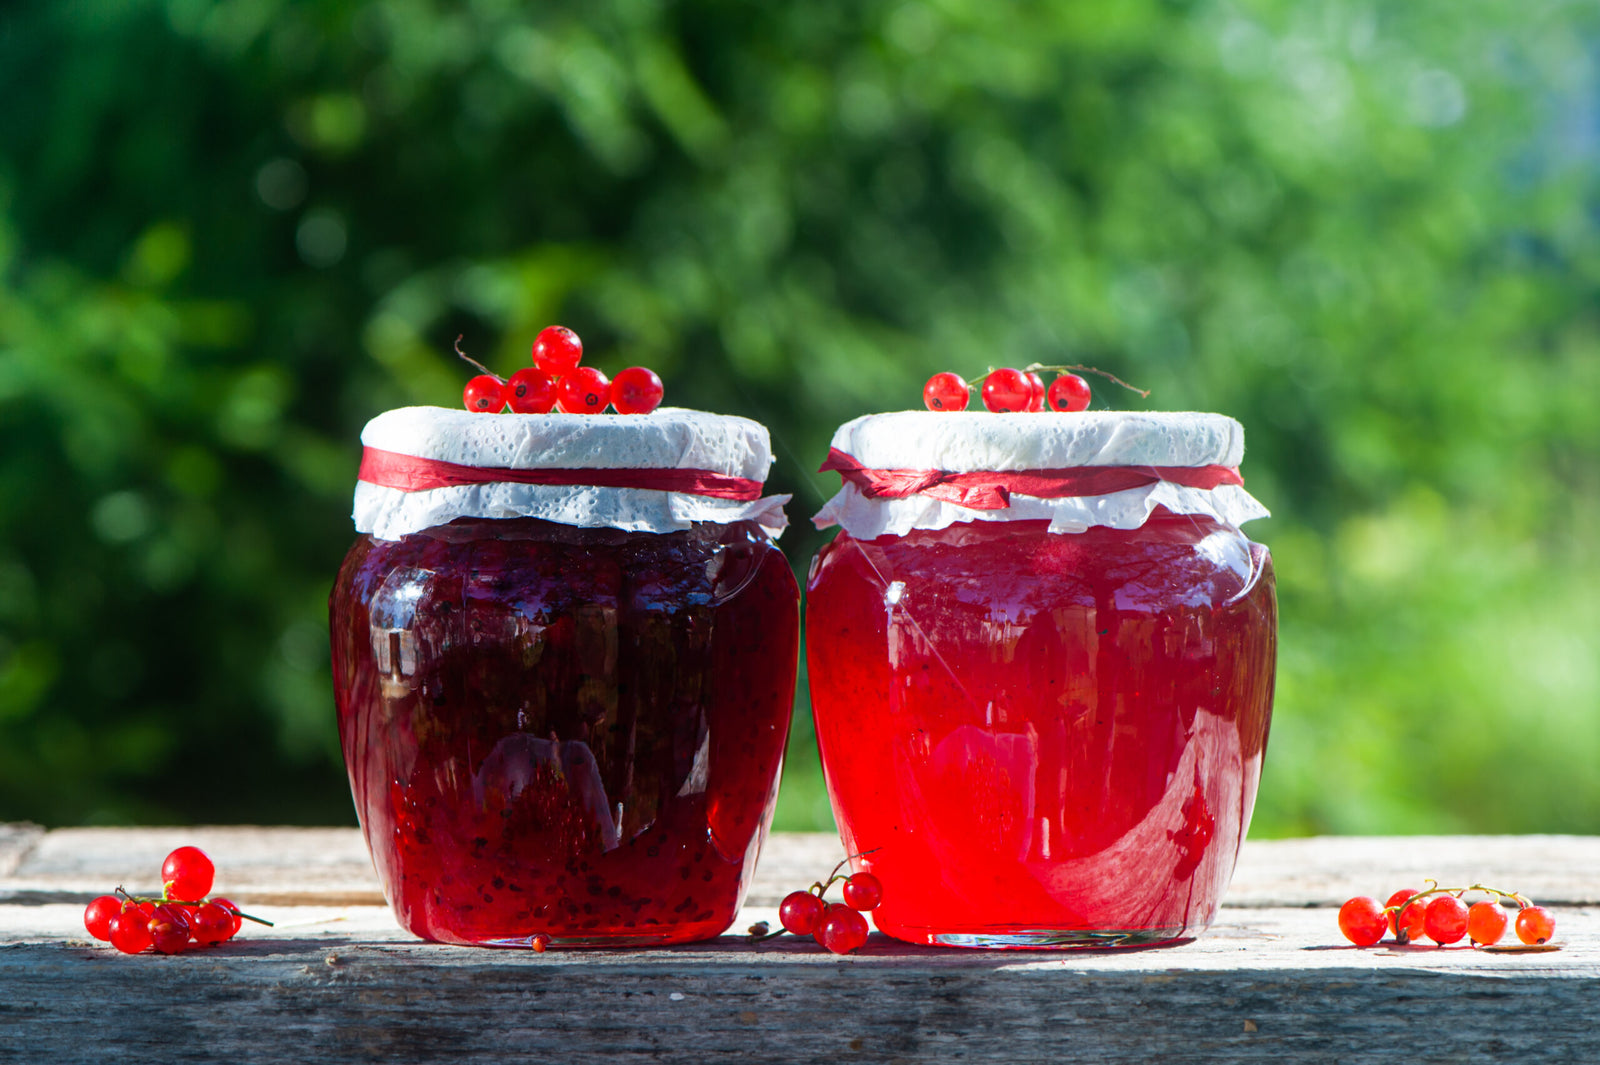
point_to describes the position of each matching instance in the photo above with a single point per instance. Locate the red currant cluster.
(180, 918)
(837, 926)
(1006, 389)
(1444, 917)
(555, 380)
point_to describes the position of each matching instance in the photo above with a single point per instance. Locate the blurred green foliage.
(233, 230)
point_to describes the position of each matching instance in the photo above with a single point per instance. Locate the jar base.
(1052, 938)
(512, 938)
(658, 939)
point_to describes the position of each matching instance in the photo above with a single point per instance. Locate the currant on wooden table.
(837, 926)
(180, 918)
(1443, 915)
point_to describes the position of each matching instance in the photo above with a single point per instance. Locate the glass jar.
(558, 731)
(1040, 729)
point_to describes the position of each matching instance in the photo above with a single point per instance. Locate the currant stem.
(474, 362)
(1144, 393)
(1522, 901)
(818, 888)
(248, 917)
(164, 900)
(849, 858)
(976, 383)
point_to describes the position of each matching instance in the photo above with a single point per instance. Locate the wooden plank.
(16, 840)
(1326, 870)
(1276, 939)
(292, 866)
(284, 866)
(343, 983)
(329, 866)
(1265, 985)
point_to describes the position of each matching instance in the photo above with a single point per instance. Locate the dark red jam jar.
(1041, 658)
(564, 658)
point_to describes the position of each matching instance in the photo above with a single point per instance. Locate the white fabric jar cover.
(907, 470)
(659, 472)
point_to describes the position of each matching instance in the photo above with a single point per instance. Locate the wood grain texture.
(16, 840)
(1264, 985)
(1326, 870)
(277, 865)
(341, 983)
(312, 866)
(286, 866)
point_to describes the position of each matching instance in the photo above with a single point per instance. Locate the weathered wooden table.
(337, 981)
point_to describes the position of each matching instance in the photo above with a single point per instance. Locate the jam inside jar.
(565, 732)
(1044, 739)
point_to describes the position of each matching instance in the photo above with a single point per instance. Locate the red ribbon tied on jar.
(411, 473)
(991, 489)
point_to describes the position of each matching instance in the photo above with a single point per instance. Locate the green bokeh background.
(232, 231)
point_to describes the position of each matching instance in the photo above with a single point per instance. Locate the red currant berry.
(584, 391)
(211, 924)
(169, 929)
(636, 390)
(484, 394)
(227, 907)
(1363, 921)
(1486, 923)
(1007, 390)
(1035, 392)
(1445, 920)
(800, 912)
(530, 391)
(1410, 919)
(863, 891)
(188, 874)
(1535, 925)
(97, 916)
(557, 350)
(1069, 392)
(842, 929)
(129, 931)
(946, 391)
(539, 942)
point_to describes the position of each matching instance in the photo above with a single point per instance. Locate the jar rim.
(971, 441)
(907, 470)
(658, 472)
(667, 438)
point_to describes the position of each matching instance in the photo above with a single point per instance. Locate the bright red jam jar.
(1041, 659)
(564, 654)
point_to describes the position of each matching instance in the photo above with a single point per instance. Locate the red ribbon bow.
(991, 489)
(409, 473)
